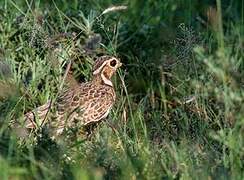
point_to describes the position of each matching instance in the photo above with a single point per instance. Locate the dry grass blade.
(114, 8)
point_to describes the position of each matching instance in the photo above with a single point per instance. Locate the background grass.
(179, 112)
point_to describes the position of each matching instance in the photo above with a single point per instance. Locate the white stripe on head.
(100, 68)
(106, 80)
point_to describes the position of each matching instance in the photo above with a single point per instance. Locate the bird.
(79, 106)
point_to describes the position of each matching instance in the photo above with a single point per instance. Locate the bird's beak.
(120, 64)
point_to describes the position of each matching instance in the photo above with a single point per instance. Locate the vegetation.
(179, 112)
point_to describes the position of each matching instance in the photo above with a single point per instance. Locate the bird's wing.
(84, 105)
(95, 104)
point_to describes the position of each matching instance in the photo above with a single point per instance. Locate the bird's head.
(105, 67)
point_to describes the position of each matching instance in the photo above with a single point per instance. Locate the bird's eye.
(113, 63)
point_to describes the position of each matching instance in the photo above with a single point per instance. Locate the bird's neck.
(101, 79)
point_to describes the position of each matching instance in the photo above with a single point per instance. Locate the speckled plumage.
(81, 105)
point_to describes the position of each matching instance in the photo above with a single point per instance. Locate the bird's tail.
(37, 117)
(33, 120)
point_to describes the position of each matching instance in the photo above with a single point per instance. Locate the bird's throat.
(102, 79)
(106, 80)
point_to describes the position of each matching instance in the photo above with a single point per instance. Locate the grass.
(179, 112)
